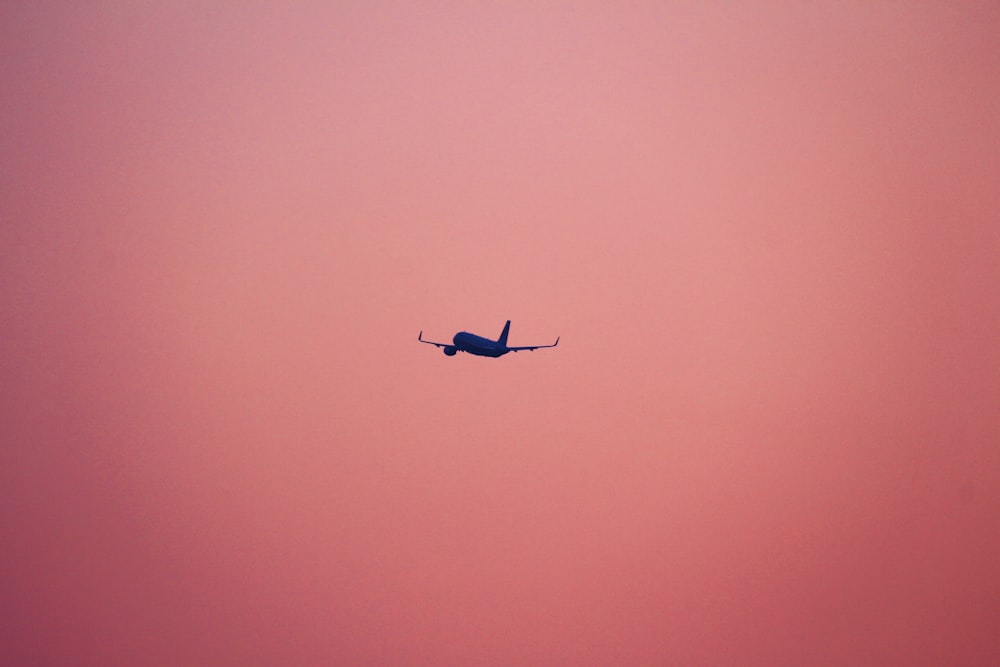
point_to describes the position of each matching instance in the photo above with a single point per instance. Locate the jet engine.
(450, 351)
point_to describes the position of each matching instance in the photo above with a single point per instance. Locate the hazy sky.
(768, 234)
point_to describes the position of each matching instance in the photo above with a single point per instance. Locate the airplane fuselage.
(473, 344)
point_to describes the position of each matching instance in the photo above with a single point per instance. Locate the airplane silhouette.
(484, 347)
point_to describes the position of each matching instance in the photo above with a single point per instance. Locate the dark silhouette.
(484, 347)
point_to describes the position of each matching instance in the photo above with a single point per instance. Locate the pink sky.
(769, 237)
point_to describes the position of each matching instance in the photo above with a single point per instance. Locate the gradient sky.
(769, 236)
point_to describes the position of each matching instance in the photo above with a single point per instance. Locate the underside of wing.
(420, 337)
(531, 347)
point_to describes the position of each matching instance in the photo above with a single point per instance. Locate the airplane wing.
(532, 347)
(420, 337)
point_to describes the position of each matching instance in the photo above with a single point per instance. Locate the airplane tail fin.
(503, 336)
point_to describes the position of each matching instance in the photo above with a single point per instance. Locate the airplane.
(484, 347)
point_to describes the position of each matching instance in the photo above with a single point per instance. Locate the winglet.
(557, 342)
(420, 336)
